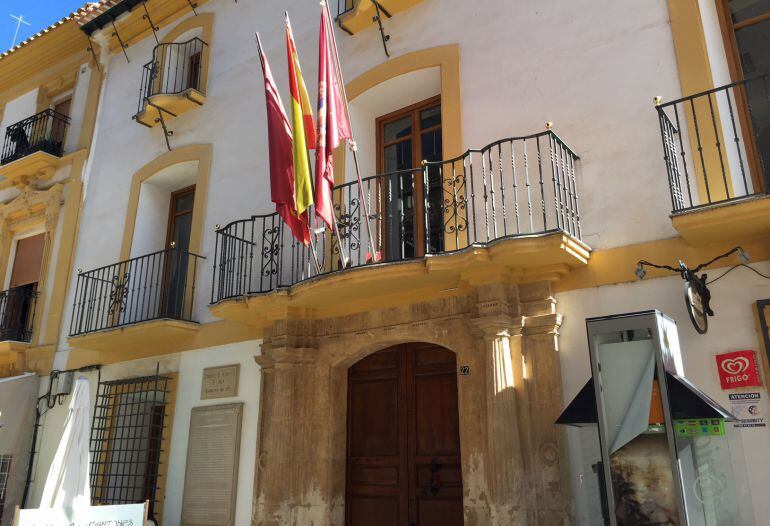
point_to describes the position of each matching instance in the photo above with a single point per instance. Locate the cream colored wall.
(191, 367)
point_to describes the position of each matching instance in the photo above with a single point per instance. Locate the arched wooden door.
(403, 440)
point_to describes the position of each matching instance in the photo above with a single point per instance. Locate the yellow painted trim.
(92, 105)
(695, 76)
(135, 342)
(196, 152)
(447, 58)
(66, 255)
(203, 20)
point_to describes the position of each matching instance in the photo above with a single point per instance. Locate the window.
(747, 35)
(5, 473)
(17, 304)
(127, 439)
(406, 138)
(178, 261)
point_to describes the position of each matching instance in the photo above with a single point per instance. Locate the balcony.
(17, 314)
(508, 210)
(173, 82)
(356, 15)
(136, 305)
(716, 147)
(33, 147)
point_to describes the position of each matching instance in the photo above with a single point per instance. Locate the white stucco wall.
(18, 109)
(188, 397)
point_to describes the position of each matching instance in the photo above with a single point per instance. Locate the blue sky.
(39, 13)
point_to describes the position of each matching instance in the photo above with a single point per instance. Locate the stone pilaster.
(540, 403)
(289, 475)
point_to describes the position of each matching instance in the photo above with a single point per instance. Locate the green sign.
(699, 427)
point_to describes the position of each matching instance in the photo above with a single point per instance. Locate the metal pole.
(353, 147)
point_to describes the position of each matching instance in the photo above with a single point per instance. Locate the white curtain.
(67, 486)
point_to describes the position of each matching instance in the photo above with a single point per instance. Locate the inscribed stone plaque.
(220, 382)
(211, 477)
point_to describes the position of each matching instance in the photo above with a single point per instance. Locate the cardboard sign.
(738, 369)
(123, 515)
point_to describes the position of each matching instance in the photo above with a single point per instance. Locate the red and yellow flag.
(280, 148)
(302, 126)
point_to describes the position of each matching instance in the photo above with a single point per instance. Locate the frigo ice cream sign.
(738, 369)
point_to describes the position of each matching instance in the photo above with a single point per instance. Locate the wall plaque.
(220, 382)
(211, 476)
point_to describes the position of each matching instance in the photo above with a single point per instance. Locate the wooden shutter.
(28, 260)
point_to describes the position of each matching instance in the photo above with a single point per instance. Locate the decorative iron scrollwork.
(119, 293)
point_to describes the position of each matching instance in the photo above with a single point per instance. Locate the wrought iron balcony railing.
(514, 187)
(43, 132)
(160, 285)
(17, 312)
(174, 69)
(344, 6)
(716, 144)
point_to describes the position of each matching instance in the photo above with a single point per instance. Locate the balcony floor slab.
(132, 342)
(172, 104)
(738, 219)
(525, 259)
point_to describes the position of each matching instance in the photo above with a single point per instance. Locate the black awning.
(582, 409)
(687, 402)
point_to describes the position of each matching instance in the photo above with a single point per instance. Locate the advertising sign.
(746, 407)
(738, 369)
(123, 515)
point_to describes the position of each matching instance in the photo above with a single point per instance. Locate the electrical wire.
(726, 272)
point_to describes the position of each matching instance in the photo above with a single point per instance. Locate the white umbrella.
(67, 486)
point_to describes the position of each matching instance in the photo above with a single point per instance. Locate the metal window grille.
(127, 438)
(5, 472)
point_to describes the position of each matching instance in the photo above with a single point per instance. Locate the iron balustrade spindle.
(42, 132)
(17, 313)
(160, 285)
(175, 68)
(715, 144)
(479, 197)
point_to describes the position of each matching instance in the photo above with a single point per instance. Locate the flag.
(281, 157)
(333, 123)
(302, 124)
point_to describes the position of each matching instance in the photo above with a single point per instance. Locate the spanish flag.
(303, 128)
(281, 164)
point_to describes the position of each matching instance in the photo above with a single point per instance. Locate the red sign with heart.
(738, 369)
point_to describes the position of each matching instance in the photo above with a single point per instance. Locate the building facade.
(518, 160)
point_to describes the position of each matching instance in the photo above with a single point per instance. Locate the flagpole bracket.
(378, 18)
(166, 132)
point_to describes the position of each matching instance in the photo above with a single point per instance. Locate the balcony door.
(18, 302)
(177, 255)
(747, 34)
(58, 127)
(405, 138)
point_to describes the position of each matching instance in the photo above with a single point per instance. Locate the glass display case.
(668, 453)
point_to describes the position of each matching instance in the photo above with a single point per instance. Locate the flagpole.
(353, 146)
(310, 231)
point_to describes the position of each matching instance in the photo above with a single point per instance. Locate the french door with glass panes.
(405, 138)
(746, 28)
